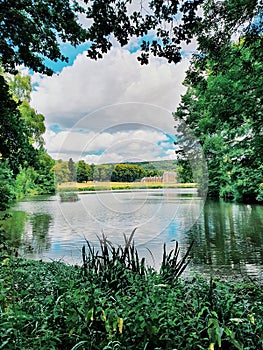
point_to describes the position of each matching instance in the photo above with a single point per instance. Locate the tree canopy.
(223, 105)
(15, 145)
(31, 31)
(127, 173)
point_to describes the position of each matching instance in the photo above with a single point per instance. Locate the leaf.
(78, 345)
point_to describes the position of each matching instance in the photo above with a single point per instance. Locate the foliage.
(68, 196)
(31, 31)
(184, 171)
(25, 182)
(102, 172)
(20, 87)
(222, 106)
(7, 188)
(166, 26)
(127, 173)
(15, 145)
(61, 171)
(54, 306)
(113, 265)
(84, 171)
(171, 266)
(45, 180)
(21, 142)
(72, 170)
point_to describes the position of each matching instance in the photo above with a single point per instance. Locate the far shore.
(97, 186)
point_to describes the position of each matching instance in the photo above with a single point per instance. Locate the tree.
(152, 172)
(45, 179)
(102, 172)
(15, 145)
(22, 142)
(84, 172)
(171, 24)
(7, 185)
(223, 105)
(127, 173)
(20, 87)
(184, 171)
(61, 171)
(72, 170)
(31, 31)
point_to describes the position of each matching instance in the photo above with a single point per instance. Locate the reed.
(116, 265)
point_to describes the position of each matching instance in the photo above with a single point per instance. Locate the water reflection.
(38, 240)
(229, 237)
(14, 227)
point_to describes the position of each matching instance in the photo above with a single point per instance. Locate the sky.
(110, 110)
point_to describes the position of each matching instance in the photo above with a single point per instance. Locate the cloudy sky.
(110, 110)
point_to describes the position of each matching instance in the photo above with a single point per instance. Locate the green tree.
(102, 172)
(31, 31)
(61, 171)
(72, 170)
(21, 87)
(7, 185)
(223, 105)
(45, 179)
(152, 172)
(15, 144)
(127, 173)
(84, 172)
(25, 182)
(184, 171)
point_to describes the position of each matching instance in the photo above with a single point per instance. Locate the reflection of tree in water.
(228, 235)
(39, 241)
(14, 227)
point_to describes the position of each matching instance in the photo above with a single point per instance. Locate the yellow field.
(96, 186)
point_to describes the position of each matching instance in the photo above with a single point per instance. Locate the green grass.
(99, 186)
(114, 301)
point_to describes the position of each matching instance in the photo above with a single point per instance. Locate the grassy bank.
(117, 303)
(97, 186)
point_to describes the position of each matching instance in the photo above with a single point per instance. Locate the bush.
(6, 186)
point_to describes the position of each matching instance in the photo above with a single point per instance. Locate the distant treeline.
(70, 171)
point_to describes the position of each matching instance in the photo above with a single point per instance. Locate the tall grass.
(113, 264)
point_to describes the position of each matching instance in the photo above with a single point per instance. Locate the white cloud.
(97, 103)
(105, 147)
(118, 78)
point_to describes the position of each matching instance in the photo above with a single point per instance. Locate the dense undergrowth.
(114, 301)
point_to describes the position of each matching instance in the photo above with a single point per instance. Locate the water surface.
(228, 237)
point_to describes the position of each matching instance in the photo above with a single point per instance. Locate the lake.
(228, 237)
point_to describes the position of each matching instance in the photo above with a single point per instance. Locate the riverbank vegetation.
(114, 301)
(25, 166)
(97, 186)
